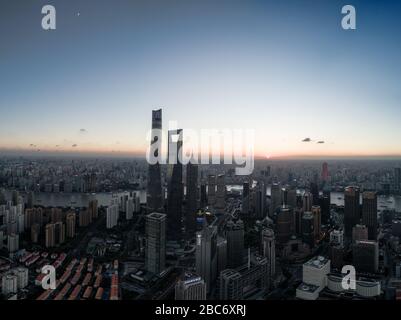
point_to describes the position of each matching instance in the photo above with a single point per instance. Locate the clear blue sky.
(284, 68)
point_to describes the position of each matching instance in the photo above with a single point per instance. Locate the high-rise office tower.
(275, 199)
(325, 200)
(211, 190)
(175, 188)
(192, 199)
(190, 287)
(260, 200)
(245, 198)
(369, 213)
(307, 201)
(154, 190)
(70, 224)
(314, 190)
(155, 254)
(234, 231)
(221, 254)
(220, 194)
(359, 233)
(269, 249)
(298, 214)
(397, 179)
(308, 227)
(291, 197)
(203, 195)
(351, 210)
(285, 224)
(206, 255)
(325, 171)
(317, 221)
(366, 256)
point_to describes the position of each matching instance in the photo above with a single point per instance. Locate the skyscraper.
(325, 200)
(307, 201)
(359, 233)
(211, 190)
(369, 213)
(269, 249)
(397, 179)
(275, 201)
(366, 256)
(260, 200)
(285, 224)
(175, 189)
(351, 210)
(220, 194)
(234, 231)
(221, 254)
(314, 190)
(245, 198)
(203, 195)
(155, 253)
(317, 221)
(325, 171)
(192, 199)
(308, 226)
(206, 254)
(154, 192)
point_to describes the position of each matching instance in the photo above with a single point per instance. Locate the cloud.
(320, 142)
(74, 145)
(307, 140)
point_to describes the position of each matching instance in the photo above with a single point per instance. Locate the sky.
(285, 69)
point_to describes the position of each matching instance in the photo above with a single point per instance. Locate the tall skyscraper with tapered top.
(351, 210)
(154, 192)
(175, 188)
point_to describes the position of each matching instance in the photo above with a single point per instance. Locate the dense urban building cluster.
(125, 229)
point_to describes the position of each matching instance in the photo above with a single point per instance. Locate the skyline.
(89, 86)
